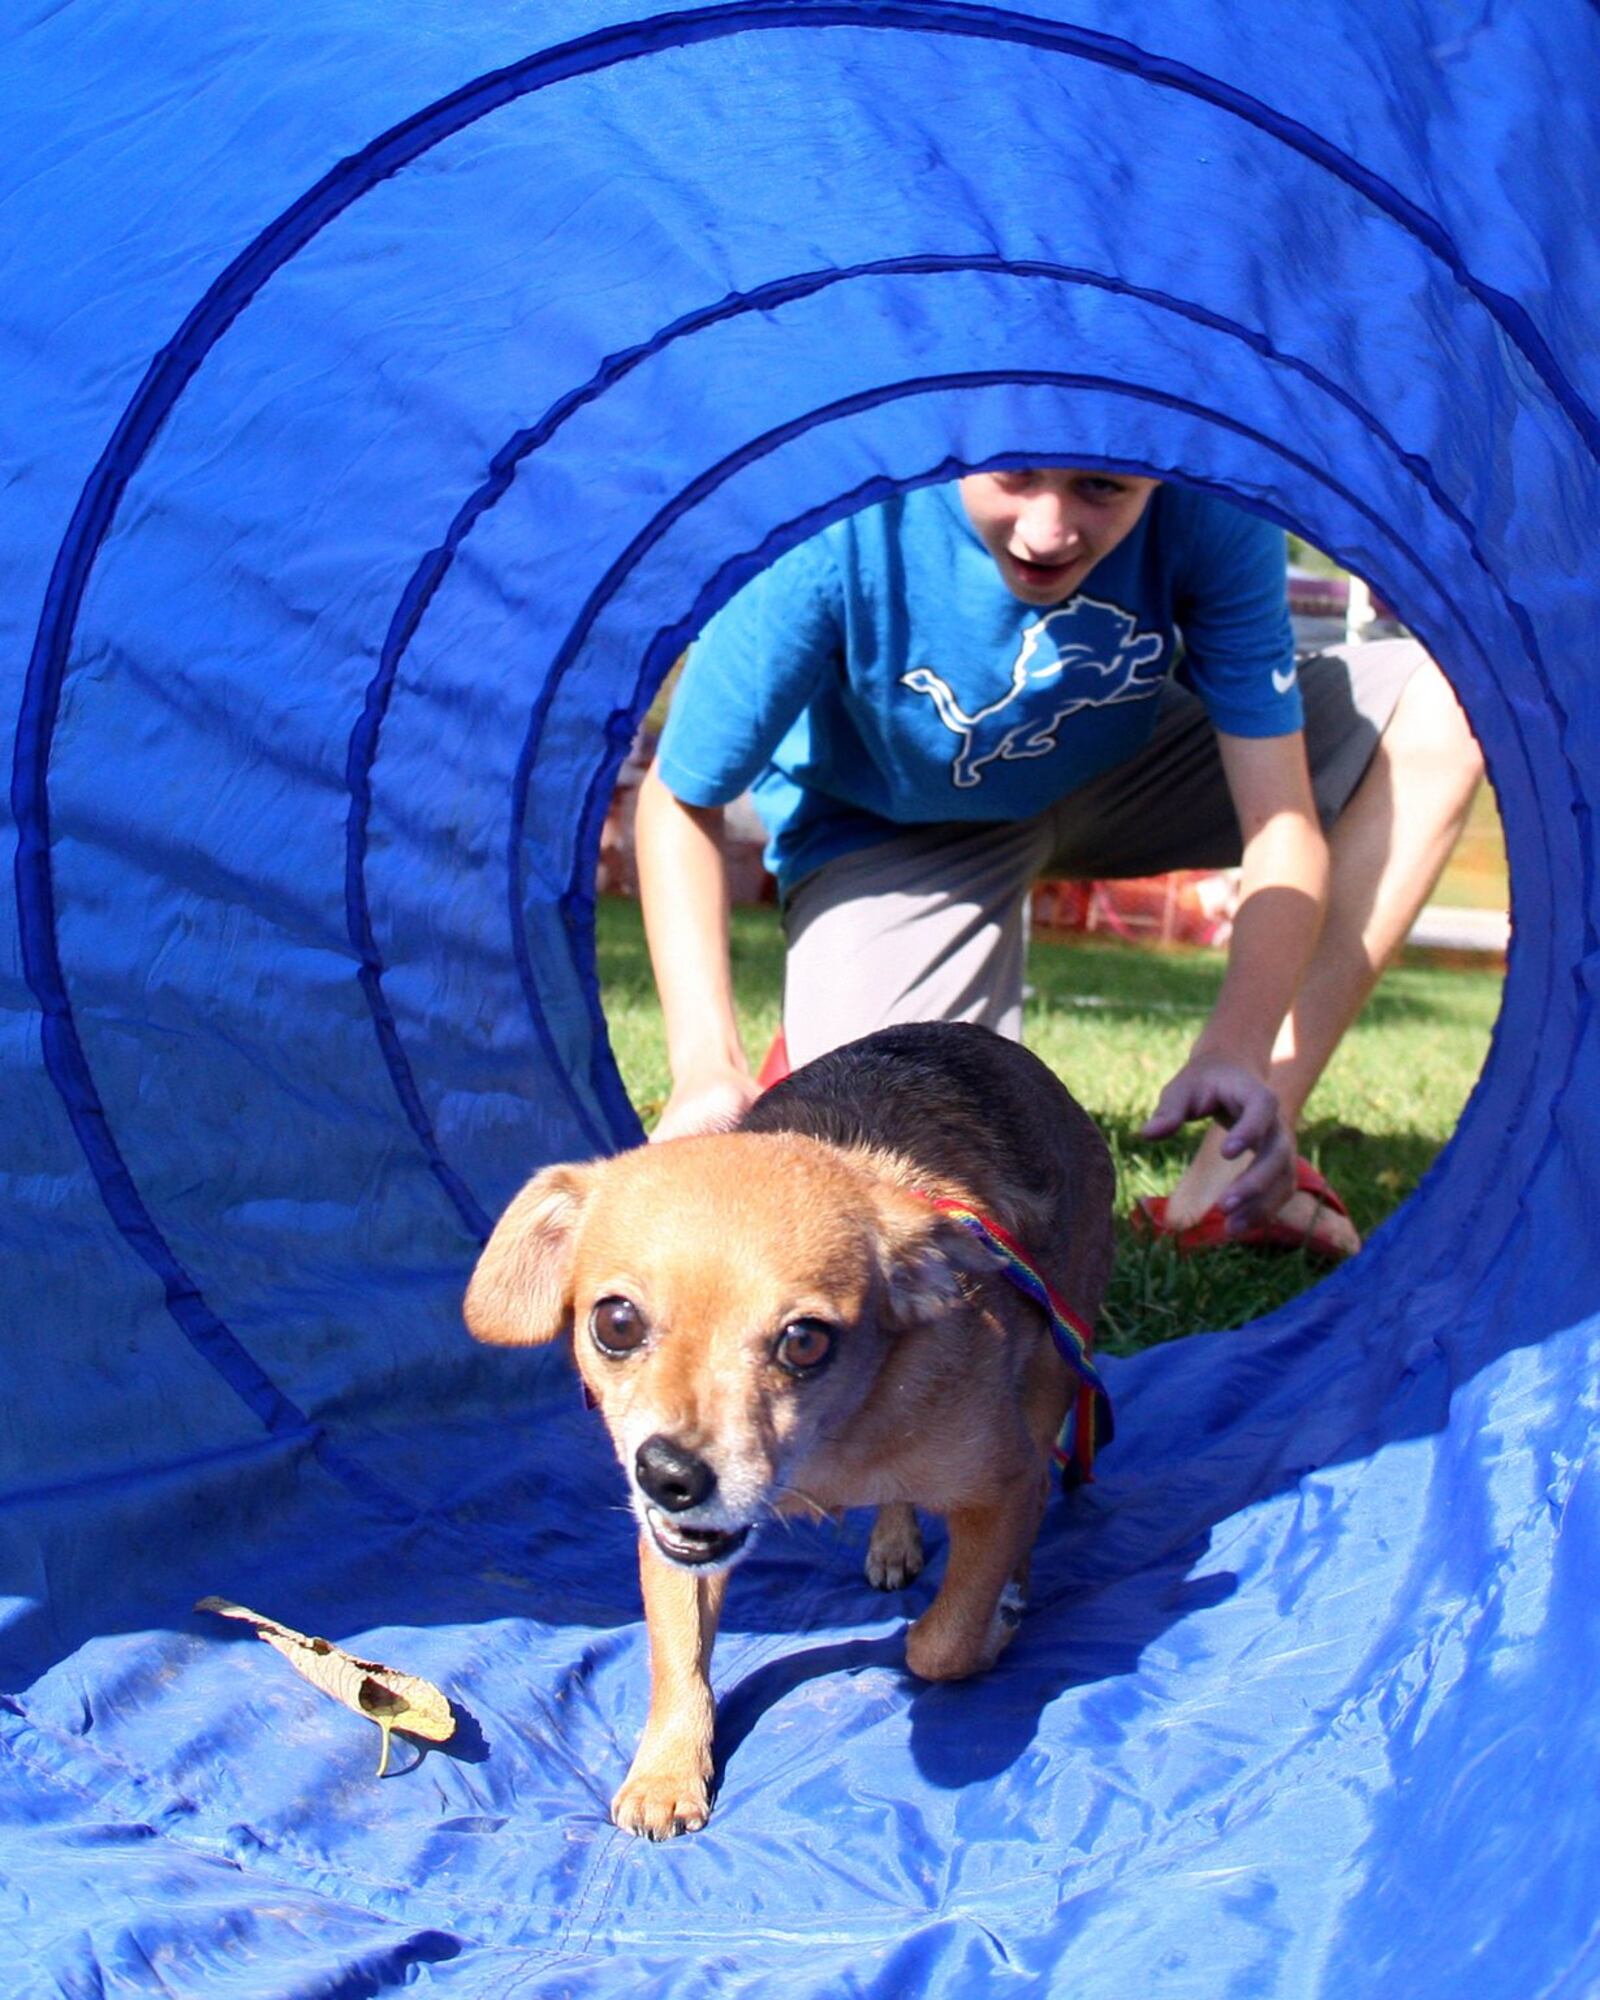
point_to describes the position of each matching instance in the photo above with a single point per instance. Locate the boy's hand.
(1211, 1087)
(712, 1102)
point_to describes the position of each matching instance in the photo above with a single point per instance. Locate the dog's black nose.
(673, 1478)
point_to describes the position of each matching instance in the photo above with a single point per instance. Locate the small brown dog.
(779, 1319)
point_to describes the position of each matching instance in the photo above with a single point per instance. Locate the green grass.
(1115, 1021)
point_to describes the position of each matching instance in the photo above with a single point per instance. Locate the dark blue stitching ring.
(431, 572)
(671, 639)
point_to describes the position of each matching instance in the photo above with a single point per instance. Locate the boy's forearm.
(1282, 898)
(683, 891)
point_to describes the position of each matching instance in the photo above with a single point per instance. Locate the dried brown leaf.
(391, 1699)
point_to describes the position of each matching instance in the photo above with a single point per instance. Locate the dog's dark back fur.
(958, 1102)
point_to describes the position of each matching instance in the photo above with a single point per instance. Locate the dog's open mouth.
(680, 1543)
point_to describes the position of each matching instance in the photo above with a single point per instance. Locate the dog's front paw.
(940, 1656)
(894, 1555)
(661, 1804)
(943, 1648)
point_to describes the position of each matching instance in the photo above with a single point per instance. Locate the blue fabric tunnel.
(389, 392)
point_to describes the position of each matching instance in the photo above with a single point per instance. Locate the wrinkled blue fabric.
(388, 394)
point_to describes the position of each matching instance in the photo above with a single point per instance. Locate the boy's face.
(1048, 527)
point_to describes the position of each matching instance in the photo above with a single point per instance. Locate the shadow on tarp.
(969, 1732)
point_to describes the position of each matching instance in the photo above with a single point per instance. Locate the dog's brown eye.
(616, 1325)
(804, 1345)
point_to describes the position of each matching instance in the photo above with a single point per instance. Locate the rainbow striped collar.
(1089, 1422)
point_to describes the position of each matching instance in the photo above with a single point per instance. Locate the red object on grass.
(1188, 906)
(1149, 1219)
(775, 1065)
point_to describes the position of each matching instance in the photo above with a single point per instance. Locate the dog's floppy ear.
(520, 1294)
(925, 1256)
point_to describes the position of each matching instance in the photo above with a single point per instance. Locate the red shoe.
(1148, 1220)
(775, 1066)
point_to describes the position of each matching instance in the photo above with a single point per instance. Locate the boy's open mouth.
(1043, 576)
(680, 1543)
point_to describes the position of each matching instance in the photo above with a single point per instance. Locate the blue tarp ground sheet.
(388, 390)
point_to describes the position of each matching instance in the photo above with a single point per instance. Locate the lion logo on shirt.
(1088, 654)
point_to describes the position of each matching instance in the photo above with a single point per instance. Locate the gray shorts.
(930, 925)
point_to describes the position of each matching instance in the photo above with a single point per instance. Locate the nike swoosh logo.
(1283, 681)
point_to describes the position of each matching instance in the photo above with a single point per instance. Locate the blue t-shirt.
(881, 675)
